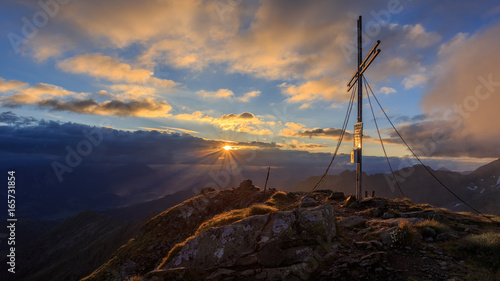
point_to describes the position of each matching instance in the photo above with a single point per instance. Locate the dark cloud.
(306, 146)
(145, 107)
(335, 132)
(244, 115)
(259, 144)
(43, 142)
(10, 118)
(412, 119)
(442, 138)
(327, 133)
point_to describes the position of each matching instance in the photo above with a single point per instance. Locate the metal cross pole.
(358, 127)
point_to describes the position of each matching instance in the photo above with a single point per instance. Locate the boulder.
(246, 186)
(308, 202)
(375, 202)
(264, 239)
(351, 222)
(270, 255)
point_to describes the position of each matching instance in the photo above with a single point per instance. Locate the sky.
(261, 75)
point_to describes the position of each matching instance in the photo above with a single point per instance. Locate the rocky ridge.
(245, 233)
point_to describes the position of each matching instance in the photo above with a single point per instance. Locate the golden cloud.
(219, 94)
(322, 89)
(245, 122)
(11, 85)
(228, 94)
(37, 93)
(59, 99)
(101, 66)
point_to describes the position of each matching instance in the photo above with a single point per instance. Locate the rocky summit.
(246, 233)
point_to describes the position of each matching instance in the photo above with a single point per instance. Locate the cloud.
(101, 66)
(413, 119)
(465, 96)
(448, 47)
(322, 89)
(245, 122)
(291, 129)
(143, 108)
(333, 133)
(169, 130)
(131, 91)
(387, 90)
(11, 85)
(59, 99)
(195, 116)
(298, 130)
(35, 93)
(414, 80)
(417, 35)
(244, 115)
(219, 94)
(10, 118)
(260, 39)
(247, 96)
(295, 144)
(228, 94)
(306, 106)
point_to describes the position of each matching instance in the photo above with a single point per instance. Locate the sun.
(227, 147)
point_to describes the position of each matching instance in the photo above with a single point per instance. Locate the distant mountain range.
(480, 188)
(43, 197)
(103, 187)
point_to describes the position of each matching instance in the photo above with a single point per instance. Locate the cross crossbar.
(366, 58)
(356, 76)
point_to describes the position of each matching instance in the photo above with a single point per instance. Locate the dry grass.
(483, 248)
(173, 252)
(404, 235)
(280, 199)
(402, 200)
(435, 225)
(234, 216)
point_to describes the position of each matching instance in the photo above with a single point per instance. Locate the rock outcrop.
(279, 240)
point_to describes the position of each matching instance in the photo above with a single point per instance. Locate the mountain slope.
(231, 235)
(74, 248)
(146, 251)
(143, 210)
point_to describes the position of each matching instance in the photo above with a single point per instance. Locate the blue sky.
(266, 71)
